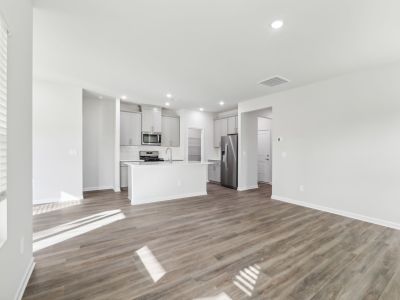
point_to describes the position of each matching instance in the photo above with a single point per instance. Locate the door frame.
(270, 144)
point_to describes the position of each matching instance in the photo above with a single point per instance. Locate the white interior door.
(264, 156)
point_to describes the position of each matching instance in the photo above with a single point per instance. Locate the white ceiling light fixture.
(167, 104)
(201, 109)
(277, 24)
(221, 103)
(124, 97)
(100, 97)
(169, 96)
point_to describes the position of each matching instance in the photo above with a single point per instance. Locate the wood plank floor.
(227, 245)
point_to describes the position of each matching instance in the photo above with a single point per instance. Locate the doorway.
(264, 162)
(255, 149)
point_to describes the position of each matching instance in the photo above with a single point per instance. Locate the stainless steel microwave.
(153, 139)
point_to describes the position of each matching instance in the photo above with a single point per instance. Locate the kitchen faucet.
(170, 154)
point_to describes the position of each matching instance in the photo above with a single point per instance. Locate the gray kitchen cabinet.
(220, 129)
(170, 131)
(151, 119)
(124, 176)
(131, 129)
(232, 125)
(214, 171)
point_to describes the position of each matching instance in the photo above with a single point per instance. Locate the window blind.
(3, 110)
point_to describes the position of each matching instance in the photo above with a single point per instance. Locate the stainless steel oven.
(153, 139)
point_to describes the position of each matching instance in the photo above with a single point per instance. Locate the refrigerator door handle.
(225, 154)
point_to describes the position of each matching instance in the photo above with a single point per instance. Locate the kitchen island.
(160, 181)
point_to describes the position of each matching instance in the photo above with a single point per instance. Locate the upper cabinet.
(232, 125)
(220, 129)
(131, 129)
(170, 136)
(151, 119)
(223, 127)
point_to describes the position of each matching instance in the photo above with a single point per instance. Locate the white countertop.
(166, 163)
(131, 160)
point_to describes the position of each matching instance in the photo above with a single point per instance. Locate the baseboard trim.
(98, 188)
(347, 214)
(246, 188)
(168, 198)
(25, 280)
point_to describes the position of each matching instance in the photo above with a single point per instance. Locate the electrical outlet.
(179, 183)
(301, 188)
(284, 154)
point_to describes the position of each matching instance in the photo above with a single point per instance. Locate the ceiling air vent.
(274, 81)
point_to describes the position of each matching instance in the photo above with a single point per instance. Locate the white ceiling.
(205, 51)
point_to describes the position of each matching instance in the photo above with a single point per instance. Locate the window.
(3, 130)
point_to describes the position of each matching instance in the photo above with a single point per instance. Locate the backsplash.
(132, 152)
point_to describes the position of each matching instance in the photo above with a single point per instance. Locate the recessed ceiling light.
(221, 103)
(123, 97)
(167, 103)
(169, 96)
(201, 109)
(277, 24)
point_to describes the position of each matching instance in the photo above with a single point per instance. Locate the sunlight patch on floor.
(247, 279)
(61, 233)
(150, 262)
(220, 296)
(48, 207)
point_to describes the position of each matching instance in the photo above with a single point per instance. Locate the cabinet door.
(165, 132)
(170, 131)
(130, 131)
(151, 119)
(210, 172)
(124, 177)
(217, 133)
(147, 120)
(224, 127)
(217, 173)
(175, 132)
(232, 125)
(220, 129)
(236, 124)
(156, 112)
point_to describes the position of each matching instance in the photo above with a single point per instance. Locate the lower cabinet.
(123, 176)
(214, 171)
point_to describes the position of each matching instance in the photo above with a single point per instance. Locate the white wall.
(248, 142)
(341, 142)
(98, 143)
(16, 254)
(57, 142)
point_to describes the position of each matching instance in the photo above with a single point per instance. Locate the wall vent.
(274, 81)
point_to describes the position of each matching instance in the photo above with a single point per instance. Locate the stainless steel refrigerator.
(229, 161)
